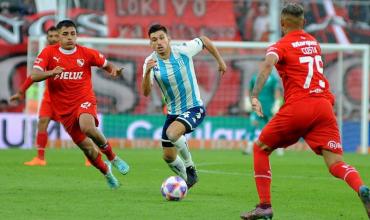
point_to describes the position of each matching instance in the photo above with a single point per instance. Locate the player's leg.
(94, 156)
(41, 141)
(340, 169)
(170, 156)
(45, 114)
(279, 132)
(175, 134)
(186, 123)
(324, 138)
(42, 136)
(87, 123)
(262, 178)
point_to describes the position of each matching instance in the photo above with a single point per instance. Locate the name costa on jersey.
(69, 76)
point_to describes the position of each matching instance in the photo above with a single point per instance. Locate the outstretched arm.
(146, 84)
(213, 50)
(20, 94)
(38, 75)
(264, 73)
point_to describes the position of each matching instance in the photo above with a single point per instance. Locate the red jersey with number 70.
(300, 67)
(73, 86)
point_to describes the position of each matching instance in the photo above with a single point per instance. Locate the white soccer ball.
(174, 188)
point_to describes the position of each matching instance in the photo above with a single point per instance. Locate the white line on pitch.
(250, 174)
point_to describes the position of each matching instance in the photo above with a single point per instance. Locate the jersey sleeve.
(26, 84)
(97, 59)
(151, 71)
(42, 60)
(277, 50)
(191, 48)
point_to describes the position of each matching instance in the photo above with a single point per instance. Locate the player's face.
(53, 37)
(160, 42)
(67, 37)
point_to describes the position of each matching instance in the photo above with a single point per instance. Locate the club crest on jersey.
(86, 105)
(80, 62)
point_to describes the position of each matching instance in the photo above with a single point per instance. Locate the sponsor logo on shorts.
(86, 105)
(334, 145)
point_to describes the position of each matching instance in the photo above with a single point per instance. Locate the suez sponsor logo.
(69, 75)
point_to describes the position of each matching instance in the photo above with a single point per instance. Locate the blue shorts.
(190, 119)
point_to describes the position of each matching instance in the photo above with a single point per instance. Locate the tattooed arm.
(263, 75)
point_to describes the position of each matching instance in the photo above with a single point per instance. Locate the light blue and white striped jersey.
(176, 76)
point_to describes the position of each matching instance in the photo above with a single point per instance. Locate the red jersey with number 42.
(300, 66)
(73, 86)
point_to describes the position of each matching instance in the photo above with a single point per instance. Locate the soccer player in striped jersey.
(173, 69)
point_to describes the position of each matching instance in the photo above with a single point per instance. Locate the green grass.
(302, 188)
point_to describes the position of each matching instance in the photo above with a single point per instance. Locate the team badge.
(85, 105)
(80, 62)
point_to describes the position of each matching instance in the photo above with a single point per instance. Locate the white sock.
(183, 149)
(178, 167)
(249, 148)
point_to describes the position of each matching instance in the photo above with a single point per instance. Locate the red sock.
(262, 174)
(99, 164)
(347, 173)
(41, 141)
(107, 150)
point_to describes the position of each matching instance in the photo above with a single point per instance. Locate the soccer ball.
(174, 188)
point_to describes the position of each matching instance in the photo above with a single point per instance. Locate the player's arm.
(207, 43)
(265, 71)
(22, 90)
(112, 69)
(146, 84)
(38, 75)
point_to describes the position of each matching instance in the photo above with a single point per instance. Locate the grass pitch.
(302, 188)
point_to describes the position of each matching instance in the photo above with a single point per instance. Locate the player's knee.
(89, 131)
(43, 124)
(172, 135)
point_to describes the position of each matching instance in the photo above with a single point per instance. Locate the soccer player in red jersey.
(67, 69)
(307, 111)
(45, 112)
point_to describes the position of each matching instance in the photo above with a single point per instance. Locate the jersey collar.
(67, 52)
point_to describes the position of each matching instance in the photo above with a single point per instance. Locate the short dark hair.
(293, 9)
(157, 27)
(66, 23)
(52, 28)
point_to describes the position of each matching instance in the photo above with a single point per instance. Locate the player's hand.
(116, 71)
(222, 67)
(256, 106)
(56, 71)
(19, 96)
(150, 64)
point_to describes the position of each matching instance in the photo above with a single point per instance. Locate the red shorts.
(46, 110)
(71, 123)
(310, 118)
